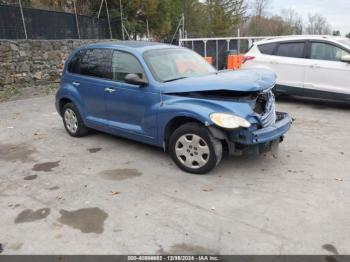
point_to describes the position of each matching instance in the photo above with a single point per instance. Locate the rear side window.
(92, 62)
(267, 49)
(74, 64)
(96, 63)
(124, 63)
(291, 49)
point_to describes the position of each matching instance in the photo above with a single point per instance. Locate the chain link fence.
(48, 24)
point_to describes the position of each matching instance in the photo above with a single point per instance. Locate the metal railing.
(216, 47)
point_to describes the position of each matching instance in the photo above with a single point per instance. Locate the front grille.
(265, 109)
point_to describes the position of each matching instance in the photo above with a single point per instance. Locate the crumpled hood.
(245, 80)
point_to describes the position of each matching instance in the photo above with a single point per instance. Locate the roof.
(139, 46)
(299, 37)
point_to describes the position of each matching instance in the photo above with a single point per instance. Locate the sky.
(337, 12)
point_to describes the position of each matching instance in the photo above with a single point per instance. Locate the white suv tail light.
(248, 58)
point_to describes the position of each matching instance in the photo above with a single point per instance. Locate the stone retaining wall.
(34, 63)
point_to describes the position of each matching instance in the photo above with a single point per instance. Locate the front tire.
(72, 121)
(194, 149)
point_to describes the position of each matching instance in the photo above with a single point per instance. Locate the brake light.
(247, 58)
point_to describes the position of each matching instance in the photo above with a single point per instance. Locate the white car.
(313, 66)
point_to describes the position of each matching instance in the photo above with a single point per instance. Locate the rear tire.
(73, 122)
(194, 149)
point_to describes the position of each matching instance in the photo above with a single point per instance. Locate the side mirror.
(134, 79)
(346, 59)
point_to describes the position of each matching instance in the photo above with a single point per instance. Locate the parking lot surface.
(106, 195)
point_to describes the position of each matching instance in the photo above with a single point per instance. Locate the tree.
(136, 12)
(237, 10)
(163, 17)
(86, 7)
(293, 22)
(218, 20)
(288, 23)
(224, 16)
(318, 25)
(259, 8)
(271, 26)
(261, 24)
(336, 33)
(347, 35)
(195, 14)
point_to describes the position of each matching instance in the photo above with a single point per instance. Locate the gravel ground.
(107, 195)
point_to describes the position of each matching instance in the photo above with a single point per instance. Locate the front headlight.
(228, 120)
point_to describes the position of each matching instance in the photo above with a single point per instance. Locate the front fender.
(174, 107)
(165, 117)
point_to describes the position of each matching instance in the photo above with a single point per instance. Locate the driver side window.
(323, 51)
(123, 64)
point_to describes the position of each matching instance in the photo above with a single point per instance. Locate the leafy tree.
(237, 11)
(135, 14)
(195, 14)
(224, 16)
(211, 17)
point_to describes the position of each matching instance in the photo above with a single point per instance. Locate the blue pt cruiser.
(170, 97)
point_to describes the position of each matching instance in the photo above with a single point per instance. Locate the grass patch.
(14, 93)
(51, 88)
(9, 92)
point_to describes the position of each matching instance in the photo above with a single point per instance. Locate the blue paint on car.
(145, 91)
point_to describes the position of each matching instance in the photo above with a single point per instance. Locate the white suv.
(314, 66)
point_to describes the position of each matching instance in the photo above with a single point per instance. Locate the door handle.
(110, 90)
(75, 83)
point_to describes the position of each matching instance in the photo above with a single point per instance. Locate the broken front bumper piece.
(257, 141)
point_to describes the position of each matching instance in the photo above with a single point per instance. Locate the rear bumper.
(260, 140)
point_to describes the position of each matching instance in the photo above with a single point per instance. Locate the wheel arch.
(190, 157)
(175, 123)
(62, 102)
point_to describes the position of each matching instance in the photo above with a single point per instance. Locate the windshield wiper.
(174, 79)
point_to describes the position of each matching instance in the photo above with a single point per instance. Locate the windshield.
(176, 63)
(345, 42)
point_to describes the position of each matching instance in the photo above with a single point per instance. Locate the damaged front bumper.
(263, 135)
(257, 141)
